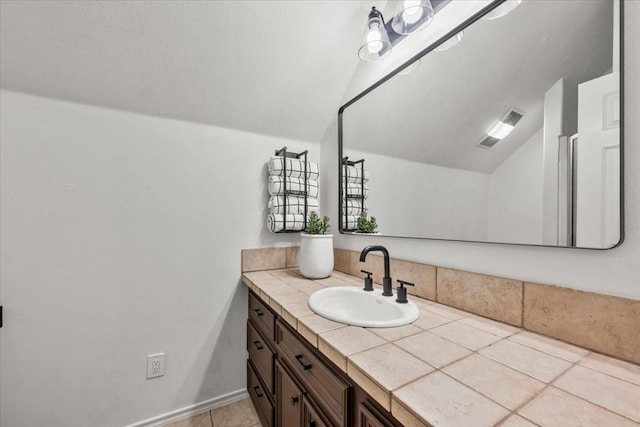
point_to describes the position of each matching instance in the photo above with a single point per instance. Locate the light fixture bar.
(380, 35)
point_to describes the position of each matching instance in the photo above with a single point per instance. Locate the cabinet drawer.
(325, 386)
(261, 355)
(262, 316)
(259, 397)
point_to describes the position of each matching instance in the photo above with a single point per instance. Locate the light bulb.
(412, 11)
(412, 15)
(374, 40)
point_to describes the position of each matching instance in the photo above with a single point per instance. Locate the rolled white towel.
(351, 222)
(295, 167)
(275, 222)
(294, 186)
(354, 189)
(354, 206)
(354, 174)
(295, 204)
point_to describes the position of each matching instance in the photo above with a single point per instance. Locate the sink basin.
(353, 306)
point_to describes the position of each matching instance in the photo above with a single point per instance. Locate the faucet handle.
(403, 283)
(402, 291)
(368, 281)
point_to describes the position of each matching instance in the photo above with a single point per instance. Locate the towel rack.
(345, 163)
(284, 153)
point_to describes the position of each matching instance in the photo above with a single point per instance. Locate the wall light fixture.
(410, 16)
(375, 43)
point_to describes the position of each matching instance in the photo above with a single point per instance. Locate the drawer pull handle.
(259, 312)
(304, 366)
(294, 400)
(257, 344)
(257, 390)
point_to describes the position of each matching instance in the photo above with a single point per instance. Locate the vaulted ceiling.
(273, 67)
(437, 113)
(270, 67)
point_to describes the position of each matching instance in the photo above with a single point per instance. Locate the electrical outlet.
(155, 365)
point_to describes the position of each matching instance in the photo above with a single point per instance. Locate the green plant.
(366, 225)
(317, 225)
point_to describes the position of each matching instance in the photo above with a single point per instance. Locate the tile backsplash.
(607, 324)
(488, 296)
(269, 258)
(601, 322)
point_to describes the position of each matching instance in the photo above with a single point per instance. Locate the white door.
(598, 163)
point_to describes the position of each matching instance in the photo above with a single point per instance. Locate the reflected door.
(598, 163)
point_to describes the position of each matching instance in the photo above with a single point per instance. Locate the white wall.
(615, 271)
(432, 211)
(121, 237)
(515, 196)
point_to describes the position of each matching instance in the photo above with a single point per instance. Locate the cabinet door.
(288, 400)
(366, 412)
(369, 417)
(311, 416)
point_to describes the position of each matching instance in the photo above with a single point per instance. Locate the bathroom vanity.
(292, 384)
(450, 367)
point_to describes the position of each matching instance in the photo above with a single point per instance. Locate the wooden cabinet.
(327, 386)
(262, 356)
(369, 413)
(311, 416)
(368, 416)
(292, 384)
(259, 396)
(262, 316)
(289, 399)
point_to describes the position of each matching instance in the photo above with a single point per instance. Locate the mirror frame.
(424, 52)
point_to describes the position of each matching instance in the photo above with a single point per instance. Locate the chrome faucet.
(386, 280)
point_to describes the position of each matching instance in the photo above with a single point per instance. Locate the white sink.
(353, 306)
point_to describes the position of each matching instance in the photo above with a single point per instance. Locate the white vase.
(315, 259)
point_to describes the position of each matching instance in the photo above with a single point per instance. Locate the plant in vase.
(315, 259)
(367, 225)
(317, 225)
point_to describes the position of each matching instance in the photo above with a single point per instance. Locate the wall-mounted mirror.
(511, 135)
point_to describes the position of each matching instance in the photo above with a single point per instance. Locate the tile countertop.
(453, 368)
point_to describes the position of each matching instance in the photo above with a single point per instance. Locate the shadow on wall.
(222, 352)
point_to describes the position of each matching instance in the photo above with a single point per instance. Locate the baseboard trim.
(206, 405)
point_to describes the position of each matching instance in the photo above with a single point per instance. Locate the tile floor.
(237, 414)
